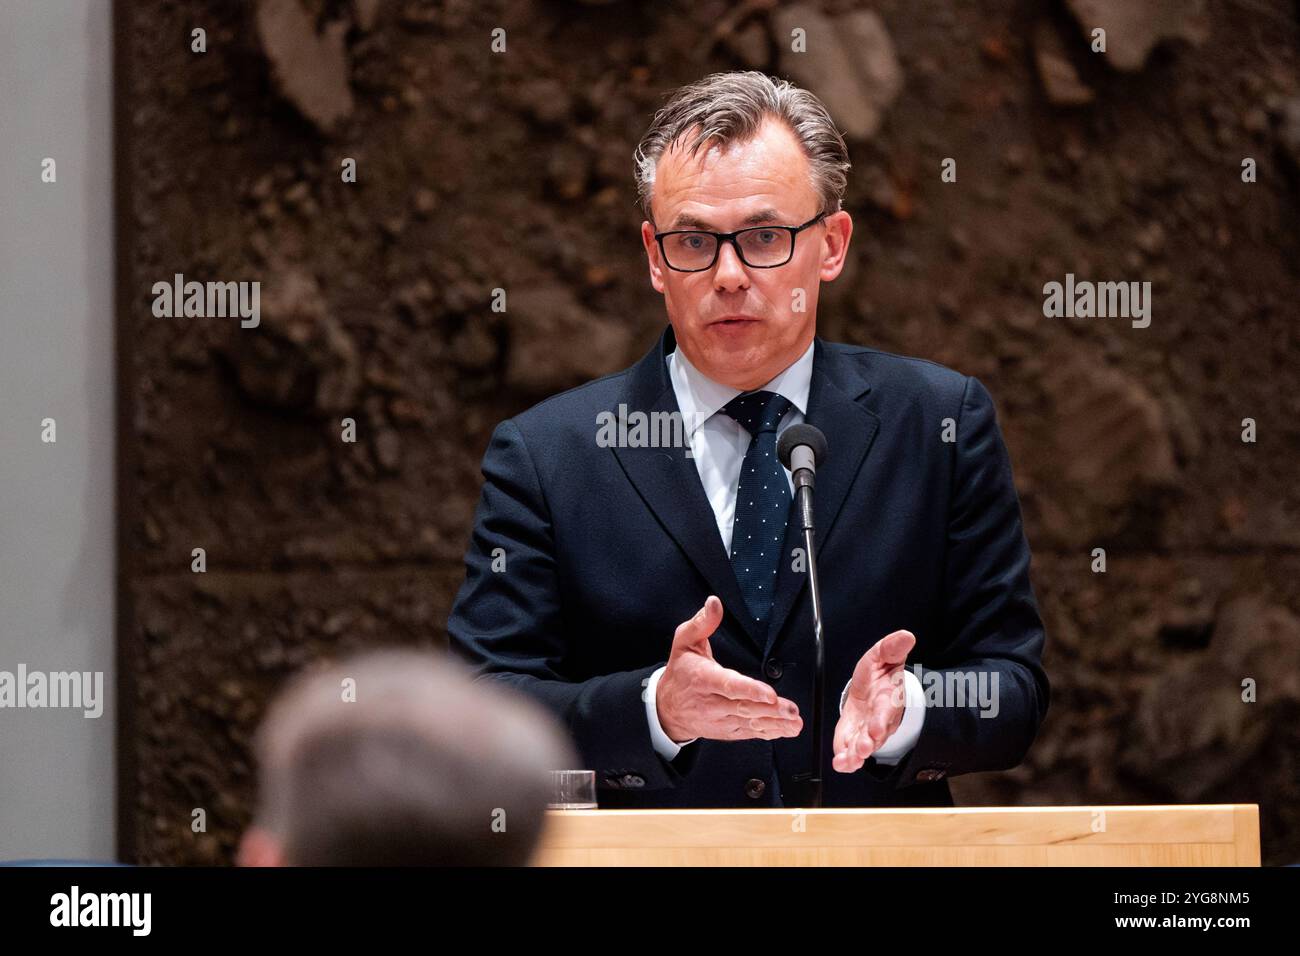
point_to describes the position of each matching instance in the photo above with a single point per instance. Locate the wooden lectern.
(1206, 835)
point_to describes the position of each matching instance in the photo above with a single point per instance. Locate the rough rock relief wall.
(478, 170)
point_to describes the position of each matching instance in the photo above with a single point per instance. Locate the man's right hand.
(698, 697)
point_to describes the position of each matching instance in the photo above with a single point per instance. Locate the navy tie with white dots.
(762, 500)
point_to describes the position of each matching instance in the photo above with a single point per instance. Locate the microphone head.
(801, 434)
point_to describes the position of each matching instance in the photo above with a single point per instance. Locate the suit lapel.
(850, 430)
(669, 483)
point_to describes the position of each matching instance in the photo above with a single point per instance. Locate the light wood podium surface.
(1187, 835)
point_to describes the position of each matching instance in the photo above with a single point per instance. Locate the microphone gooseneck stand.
(803, 479)
(802, 448)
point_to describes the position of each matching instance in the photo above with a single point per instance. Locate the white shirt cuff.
(664, 745)
(903, 739)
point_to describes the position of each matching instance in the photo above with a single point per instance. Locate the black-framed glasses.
(759, 247)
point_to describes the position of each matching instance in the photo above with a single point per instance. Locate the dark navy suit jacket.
(607, 549)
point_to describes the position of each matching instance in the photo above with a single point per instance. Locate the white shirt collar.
(700, 397)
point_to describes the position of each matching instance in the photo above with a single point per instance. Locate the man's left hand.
(875, 704)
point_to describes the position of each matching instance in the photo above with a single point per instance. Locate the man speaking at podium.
(656, 598)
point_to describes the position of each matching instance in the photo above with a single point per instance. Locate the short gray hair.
(730, 107)
(413, 771)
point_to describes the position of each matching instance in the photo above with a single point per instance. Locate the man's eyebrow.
(688, 221)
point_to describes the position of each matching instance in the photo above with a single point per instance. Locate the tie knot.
(758, 411)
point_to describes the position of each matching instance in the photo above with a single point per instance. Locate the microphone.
(801, 448)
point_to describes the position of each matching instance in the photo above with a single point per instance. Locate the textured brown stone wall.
(479, 171)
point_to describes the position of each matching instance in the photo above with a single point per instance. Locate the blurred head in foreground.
(398, 758)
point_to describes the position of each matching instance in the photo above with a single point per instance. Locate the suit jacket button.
(633, 781)
(927, 775)
(754, 788)
(773, 668)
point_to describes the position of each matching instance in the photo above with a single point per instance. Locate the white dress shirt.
(718, 446)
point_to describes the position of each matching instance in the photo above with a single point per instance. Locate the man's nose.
(729, 274)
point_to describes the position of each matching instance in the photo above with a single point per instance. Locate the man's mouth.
(733, 320)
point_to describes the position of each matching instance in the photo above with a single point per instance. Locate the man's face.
(737, 324)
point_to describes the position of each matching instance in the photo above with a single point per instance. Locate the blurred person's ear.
(259, 847)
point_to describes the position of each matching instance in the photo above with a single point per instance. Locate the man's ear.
(259, 847)
(652, 256)
(835, 245)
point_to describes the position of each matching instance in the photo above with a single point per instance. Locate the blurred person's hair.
(426, 767)
(730, 107)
